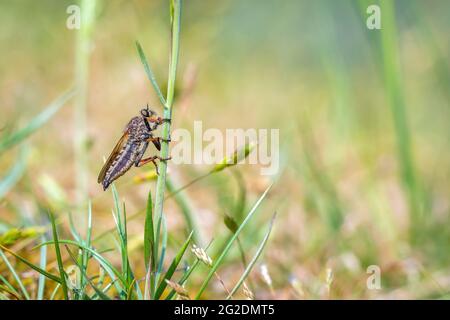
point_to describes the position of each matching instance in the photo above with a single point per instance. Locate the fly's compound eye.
(145, 113)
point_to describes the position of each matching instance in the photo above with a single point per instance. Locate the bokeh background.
(364, 134)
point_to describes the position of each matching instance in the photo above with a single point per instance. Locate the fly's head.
(149, 117)
(148, 113)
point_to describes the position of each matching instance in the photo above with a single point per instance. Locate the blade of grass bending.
(130, 290)
(190, 183)
(62, 273)
(150, 73)
(99, 292)
(37, 122)
(15, 173)
(42, 265)
(31, 265)
(108, 286)
(229, 161)
(230, 242)
(10, 287)
(254, 259)
(118, 217)
(73, 229)
(52, 296)
(15, 275)
(139, 294)
(9, 291)
(173, 266)
(112, 272)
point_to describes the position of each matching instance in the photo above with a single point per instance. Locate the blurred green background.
(363, 118)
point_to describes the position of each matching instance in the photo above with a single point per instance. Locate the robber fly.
(131, 147)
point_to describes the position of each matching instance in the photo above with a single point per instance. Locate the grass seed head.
(247, 292)
(202, 255)
(182, 292)
(236, 157)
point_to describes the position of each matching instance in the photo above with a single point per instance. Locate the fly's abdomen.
(123, 161)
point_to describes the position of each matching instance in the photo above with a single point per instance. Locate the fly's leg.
(147, 160)
(158, 139)
(158, 120)
(152, 159)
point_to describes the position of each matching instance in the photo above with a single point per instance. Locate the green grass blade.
(117, 209)
(36, 123)
(187, 274)
(42, 265)
(10, 287)
(62, 273)
(73, 229)
(184, 278)
(163, 252)
(227, 248)
(84, 41)
(15, 173)
(14, 293)
(85, 254)
(254, 259)
(121, 224)
(99, 292)
(15, 275)
(31, 265)
(89, 225)
(149, 236)
(149, 248)
(138, 292)
(130, 290)
(150, 74)
(395, 93)
(128, 272)
(167, 114)
(112, 272)
(173, 266)
(52, 296)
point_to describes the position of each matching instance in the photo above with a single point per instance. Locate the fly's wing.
(119, 146)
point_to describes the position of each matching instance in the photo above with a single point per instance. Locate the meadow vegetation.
(364, 146)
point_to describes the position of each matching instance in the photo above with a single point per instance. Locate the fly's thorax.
(137, 130)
